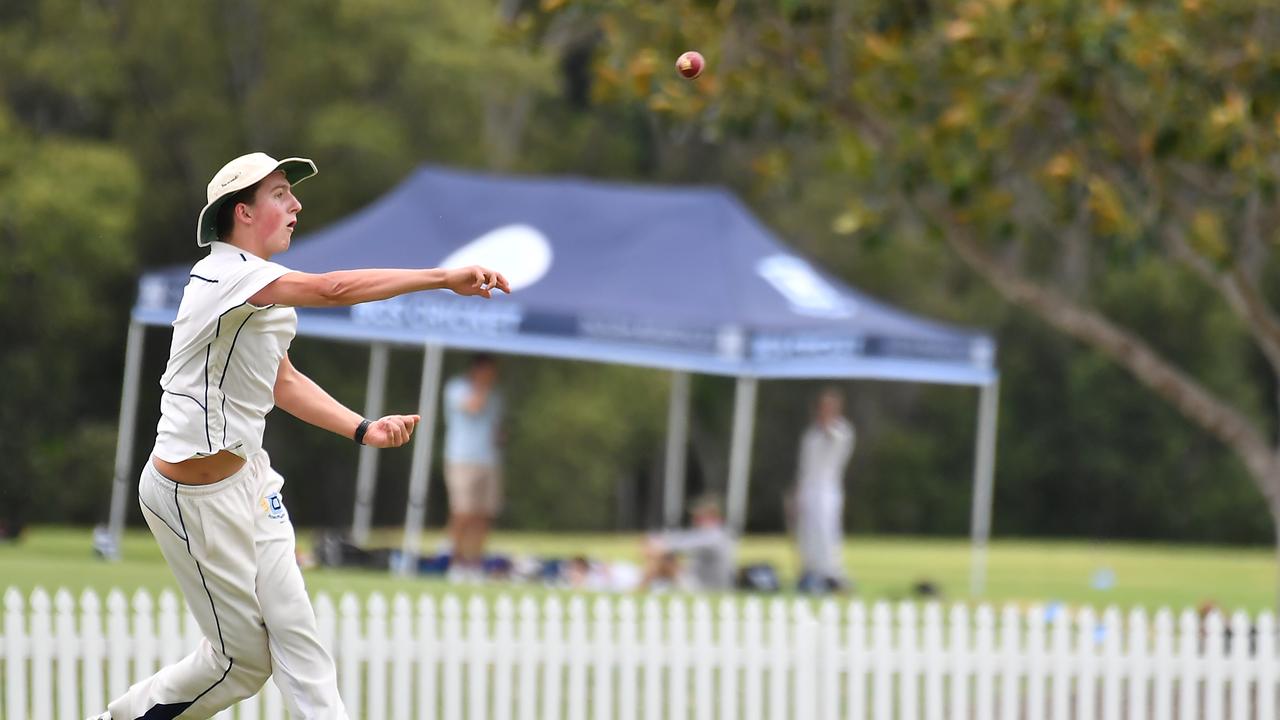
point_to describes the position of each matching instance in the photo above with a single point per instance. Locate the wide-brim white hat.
(240, 174)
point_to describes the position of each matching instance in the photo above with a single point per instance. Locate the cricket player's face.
(275, 213)
(484, 374)
(829, 408)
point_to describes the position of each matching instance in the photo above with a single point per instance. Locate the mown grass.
(1021, 571)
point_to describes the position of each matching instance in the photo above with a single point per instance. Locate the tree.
(67, 208)
(1060, 149)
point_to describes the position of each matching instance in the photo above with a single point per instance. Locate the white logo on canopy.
(153, 294)
(520, 252)
(803, 287)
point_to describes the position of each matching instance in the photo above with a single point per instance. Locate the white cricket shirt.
(219, 383)
(824, 452)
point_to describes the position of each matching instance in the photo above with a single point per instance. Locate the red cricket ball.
(690, 64)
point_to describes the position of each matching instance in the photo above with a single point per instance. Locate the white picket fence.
(650, 658)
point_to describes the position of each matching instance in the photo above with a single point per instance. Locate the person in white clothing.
(208, 491)
(709, 547)
(825, 449)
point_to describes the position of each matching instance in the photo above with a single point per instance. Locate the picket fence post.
(753, 658)
(1188, 667)
(41, 656)
(1266, 666)
(348, 657)
(628, 660)
(1011, 662)
(1241, 672)
(828, 660)
(1214, 685)
(553, 658)
(678, 659)
(402, 648)
(805, 683)
(652, 654)
(778, 658)
(118, 644)
(1112, 663)
(15, 650)
(67, 656)
(92, 654)
(1087, 667)
(1139, 663)
(527, 697)
(1163, 655)
(504, 638)
(451, 644)
(1059, 663)
(429, 658)
(375, 667)
(882, 667)
(857, 654)
(908, 666)
(961, 660)
(705, 659)
(1035, 662)
(603, 659)
(167, 651)
(934, 655)
(578, 658)
(985, 662)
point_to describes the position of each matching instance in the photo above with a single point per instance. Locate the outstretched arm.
(349, 287)
(302, 398)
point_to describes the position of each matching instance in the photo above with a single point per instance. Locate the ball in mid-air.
(690, 64)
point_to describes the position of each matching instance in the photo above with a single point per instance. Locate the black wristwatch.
(361, 429)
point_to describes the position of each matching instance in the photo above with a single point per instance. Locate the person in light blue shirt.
(472, 462)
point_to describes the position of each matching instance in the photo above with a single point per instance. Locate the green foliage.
(1073, 141)
(66, 214)
(1070, 137)
(609, 419)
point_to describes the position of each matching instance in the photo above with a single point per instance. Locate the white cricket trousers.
(231, 546)
(819, 533)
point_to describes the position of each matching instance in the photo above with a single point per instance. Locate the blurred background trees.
(1121, 154)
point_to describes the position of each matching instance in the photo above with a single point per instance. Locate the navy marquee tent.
(682, 279)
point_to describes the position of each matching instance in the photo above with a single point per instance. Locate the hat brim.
(295, 171)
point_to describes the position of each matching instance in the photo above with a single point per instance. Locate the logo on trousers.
(273, 505)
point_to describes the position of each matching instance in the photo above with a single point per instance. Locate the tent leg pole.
(983, 485)
(124, 438)
(420, 468)
(367, 472)
(677, 442)
(744, 413)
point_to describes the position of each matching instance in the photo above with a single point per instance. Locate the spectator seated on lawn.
(701, 558)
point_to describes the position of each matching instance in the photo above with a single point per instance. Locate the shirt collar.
(218, 247)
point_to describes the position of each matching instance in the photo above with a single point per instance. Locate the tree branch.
(1241, 294)
(1192, 399)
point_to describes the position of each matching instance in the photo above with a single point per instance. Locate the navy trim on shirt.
(197, 402)
(226, 367)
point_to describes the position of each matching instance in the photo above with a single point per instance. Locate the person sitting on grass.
(707, 546)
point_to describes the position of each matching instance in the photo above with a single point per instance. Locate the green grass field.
(1149, 575)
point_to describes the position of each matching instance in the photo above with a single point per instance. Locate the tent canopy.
(683, 278)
